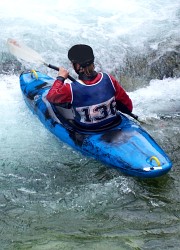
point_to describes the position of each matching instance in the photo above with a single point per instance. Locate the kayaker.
(95, 97)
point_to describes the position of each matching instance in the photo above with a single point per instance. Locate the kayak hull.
(126, 145)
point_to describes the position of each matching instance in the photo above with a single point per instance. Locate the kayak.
(124, 144)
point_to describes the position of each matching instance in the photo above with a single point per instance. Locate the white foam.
(111, 27)
(160, 96)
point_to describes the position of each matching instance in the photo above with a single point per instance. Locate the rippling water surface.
(52, 197)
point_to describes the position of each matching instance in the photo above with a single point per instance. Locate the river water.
(52, 197)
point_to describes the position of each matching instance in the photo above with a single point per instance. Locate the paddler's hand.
(63, 72)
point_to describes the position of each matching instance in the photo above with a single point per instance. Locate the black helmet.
(82, 54)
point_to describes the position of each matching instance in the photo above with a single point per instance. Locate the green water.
(52, 197)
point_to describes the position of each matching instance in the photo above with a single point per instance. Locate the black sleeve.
(61, 78)
(121, 107)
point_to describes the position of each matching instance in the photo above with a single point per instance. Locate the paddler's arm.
(123, 108)
(60, 91)
(123, 101)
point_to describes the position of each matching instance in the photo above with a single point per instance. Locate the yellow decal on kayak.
(34, 73)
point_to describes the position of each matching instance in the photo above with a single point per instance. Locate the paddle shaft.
(133, 116)
(57, 69)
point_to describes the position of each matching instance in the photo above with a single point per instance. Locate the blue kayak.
(124, 145)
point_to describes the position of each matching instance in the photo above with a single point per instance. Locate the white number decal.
(96, 113)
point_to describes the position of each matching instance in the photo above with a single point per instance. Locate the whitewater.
(52, 197)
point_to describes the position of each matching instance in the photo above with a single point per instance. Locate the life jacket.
(94, 105)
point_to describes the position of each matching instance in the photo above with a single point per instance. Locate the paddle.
(25, 53)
